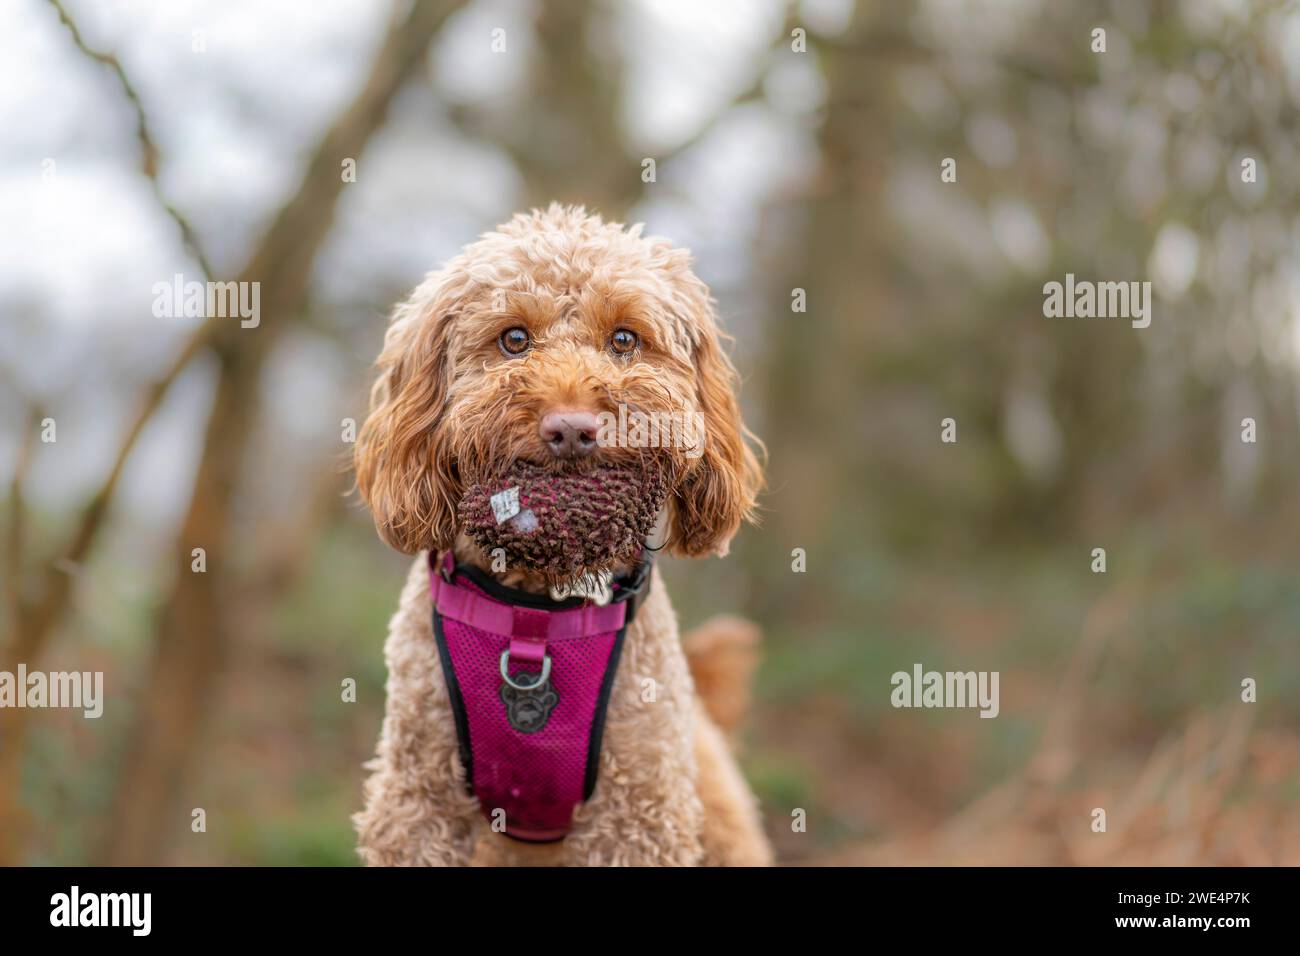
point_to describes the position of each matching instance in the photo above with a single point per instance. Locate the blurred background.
(796, 146)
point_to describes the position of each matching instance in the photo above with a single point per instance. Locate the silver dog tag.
(529, 705)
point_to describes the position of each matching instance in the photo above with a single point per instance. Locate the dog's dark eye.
(623, 341)
(514, 341)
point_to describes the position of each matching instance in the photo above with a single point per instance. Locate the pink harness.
(529, 680)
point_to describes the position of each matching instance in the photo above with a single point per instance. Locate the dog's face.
(556, 341)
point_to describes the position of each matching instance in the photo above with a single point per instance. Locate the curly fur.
(449, 412)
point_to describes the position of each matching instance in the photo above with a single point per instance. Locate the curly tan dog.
(504, 359)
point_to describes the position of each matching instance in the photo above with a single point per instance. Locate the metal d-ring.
(505, 672)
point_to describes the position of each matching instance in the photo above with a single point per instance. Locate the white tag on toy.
(505, 504)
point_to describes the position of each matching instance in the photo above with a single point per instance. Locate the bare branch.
(35, 623)
(148, 147)
(194, 622)
(56, 588)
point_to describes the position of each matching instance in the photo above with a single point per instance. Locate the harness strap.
(479, 609)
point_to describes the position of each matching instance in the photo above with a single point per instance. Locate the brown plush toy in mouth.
(564, 525)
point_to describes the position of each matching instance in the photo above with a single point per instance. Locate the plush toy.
(565, 525)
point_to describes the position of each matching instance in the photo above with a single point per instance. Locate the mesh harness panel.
(529, 681)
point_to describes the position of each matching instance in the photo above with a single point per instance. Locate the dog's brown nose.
(570, 434)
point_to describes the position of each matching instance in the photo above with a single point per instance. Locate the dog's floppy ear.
(718, 493)
(403, 468)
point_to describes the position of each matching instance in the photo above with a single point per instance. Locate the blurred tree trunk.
(565, 134)
(39, 603)
(585, 157)
(191, 635)
(835, 245)
(13, 723)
